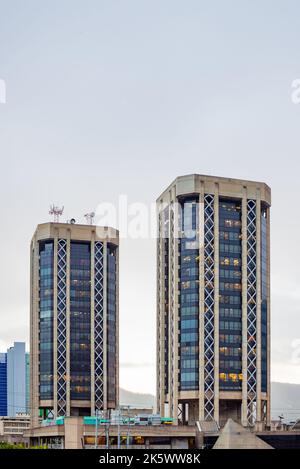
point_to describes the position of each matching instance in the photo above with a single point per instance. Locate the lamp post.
(119, 429)
(96, 430)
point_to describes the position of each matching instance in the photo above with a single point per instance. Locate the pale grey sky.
(120, 97)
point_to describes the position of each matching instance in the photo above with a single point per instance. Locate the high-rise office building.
(3, 384)
(213, 300)
(13, 389)
(74, 320)
(16, 379)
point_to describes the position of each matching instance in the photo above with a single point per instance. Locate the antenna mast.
(56, 212)
(90, 218)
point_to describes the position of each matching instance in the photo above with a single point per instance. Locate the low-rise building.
(83, 433)
(12, 428)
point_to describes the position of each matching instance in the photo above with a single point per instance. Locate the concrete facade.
(101, 243)
(234, 436)
(248, 401)
(73, 433)
(13, 428)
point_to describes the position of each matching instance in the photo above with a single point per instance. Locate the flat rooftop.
(191, 182)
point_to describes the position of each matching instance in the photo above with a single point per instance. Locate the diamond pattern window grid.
(61, 327)
(251, 313)
(209, 303)
(99, 325)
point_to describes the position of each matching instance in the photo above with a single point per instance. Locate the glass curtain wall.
(189, 296)
(230, 294)
(111, 324)
(80, 321)
(46, 258)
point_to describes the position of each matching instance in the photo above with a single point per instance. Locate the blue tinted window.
(46, 259)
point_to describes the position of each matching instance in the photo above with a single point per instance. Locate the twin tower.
(213, 308)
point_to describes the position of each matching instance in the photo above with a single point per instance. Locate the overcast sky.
(120, 97)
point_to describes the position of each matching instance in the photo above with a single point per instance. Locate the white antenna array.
(56, 212)
(90, 218)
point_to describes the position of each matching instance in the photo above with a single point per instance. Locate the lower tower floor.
(189, 411)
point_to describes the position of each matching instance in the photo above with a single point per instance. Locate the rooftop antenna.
(90, 218)
(56, 212)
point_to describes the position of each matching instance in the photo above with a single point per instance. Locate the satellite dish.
(90, 217)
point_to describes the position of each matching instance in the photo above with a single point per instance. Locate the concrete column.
(170, 325)
(258, 307)
(73, 432)
(68, 365)
(201, 302)
(93, 324)
(268, 322)
(244, 308)
(216, 300)
(34, 334)
(160, 318)
(175, 311)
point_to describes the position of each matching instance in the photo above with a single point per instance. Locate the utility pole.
(96, 430)
(107, 429)
(128, 424)
(119, 429)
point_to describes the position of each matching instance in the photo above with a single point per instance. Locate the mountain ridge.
(285, 400)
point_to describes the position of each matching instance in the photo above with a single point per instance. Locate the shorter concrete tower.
(74, 365)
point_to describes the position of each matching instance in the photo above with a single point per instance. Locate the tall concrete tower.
(213, 300)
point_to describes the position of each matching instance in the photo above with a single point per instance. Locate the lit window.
(233, 377)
